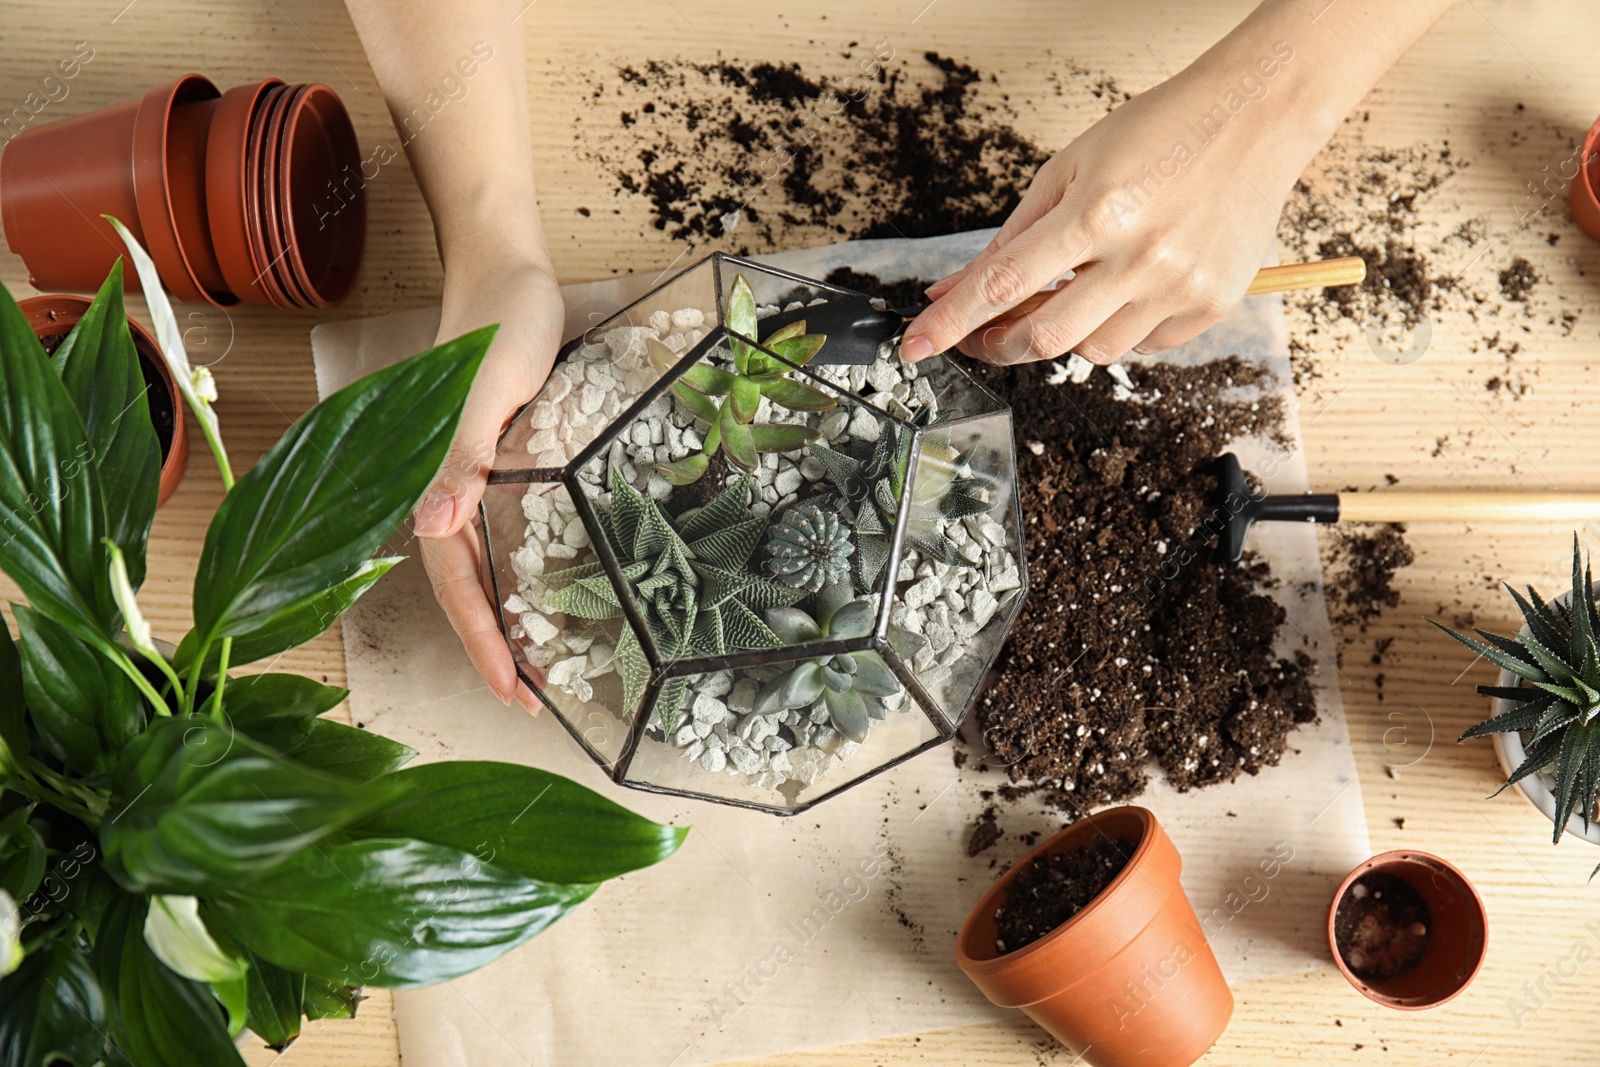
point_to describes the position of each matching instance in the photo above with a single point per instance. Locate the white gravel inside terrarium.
(718, 727)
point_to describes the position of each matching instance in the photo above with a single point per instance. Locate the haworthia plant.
(689, 581)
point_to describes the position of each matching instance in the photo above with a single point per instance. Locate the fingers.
(1036, 203)
(1116, 337)
(502, 385)
(1176, 330)
(452, 564)
(991, 286)
(1057, 326)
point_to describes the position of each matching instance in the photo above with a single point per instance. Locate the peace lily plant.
(184, 854)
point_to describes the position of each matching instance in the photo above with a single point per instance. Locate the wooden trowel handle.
(1317, 274)
(1467, 506)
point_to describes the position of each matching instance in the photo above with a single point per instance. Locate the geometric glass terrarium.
(739, 571)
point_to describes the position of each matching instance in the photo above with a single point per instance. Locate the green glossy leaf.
(1573, 785)
(524, 820)
(1522, 717)
(197, 806)
(740, 318)
(783, 333)
(744, 400)
(100, 367)
(84, 708)
(704, 378)
(1583, 638)
(327, 999)
(256, 699)
(51, 514)
(22, 854)
(13, 712)
(157, 1017)
(782, 437)
(51, 1009)
(293, 626)
(273, 999)
(390, 912)
(738, 443)
(332, 747)
(796, 396)
(698, 404)
(314, 509)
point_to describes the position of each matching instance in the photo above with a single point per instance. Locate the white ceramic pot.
(1538, 787)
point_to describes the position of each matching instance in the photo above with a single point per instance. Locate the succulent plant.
(690, 582)
(851, 685)
(869, 487)
(810, 548)
(729, 397)
(1558, 704)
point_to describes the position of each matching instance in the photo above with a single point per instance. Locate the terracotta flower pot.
(1127, 982)
(1458, 931)
(227, 145)
(53, 317)
(185, 176)
(1584, 192)
(152, 127)
(56, 180)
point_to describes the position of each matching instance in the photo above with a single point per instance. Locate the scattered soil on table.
(1381, 927)
(900, 146)
(1136, 642)
(1359, 565)
(1518, 280)
(1054, 888)
(985, 832)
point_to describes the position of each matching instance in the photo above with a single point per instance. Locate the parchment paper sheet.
(765, 934)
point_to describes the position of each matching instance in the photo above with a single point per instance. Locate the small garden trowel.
(860, 332)
(1239, 507)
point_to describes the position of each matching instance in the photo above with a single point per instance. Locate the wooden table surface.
(1508, 84)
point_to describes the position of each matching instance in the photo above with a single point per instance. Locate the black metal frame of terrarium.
(945, 722)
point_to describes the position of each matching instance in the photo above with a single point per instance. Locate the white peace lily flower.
(122, 592)
(10, 935)
(204, 385)
(179, 939)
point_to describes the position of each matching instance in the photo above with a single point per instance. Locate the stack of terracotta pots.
(251, 195)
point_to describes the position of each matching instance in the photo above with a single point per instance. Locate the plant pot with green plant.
(1092, 936)
(184, 853)
(1546, 721)
(68, 326)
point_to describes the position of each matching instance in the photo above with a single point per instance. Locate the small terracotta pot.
(1458, 931)
(262, 254)
(1584, 192)
(227, 146)
(151, 129)
(55, 316)
(185, 176)
(56, 180)
(1130, 980)
(322, 196)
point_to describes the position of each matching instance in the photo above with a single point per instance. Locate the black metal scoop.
(1240, 507)
(857, 332)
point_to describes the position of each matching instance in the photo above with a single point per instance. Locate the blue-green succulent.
(809, 548)
(851, 685)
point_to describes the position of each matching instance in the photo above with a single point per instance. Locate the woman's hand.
(1162, 234)
(1164, 209)
(526, 302)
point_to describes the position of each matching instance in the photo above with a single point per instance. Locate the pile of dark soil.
(1054, 888)
(1359, 565)
(734, 152)
(1381, 927)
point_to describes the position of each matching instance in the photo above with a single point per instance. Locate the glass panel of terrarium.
(945, 389)
(761, 542)
(567, 636)
(963, 574)
(770, 736)
(774, 291)
(604, 373)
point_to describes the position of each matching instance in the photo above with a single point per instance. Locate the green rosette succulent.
(690, 582)
(1558, 702)
(728, 397)
(852, 685)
